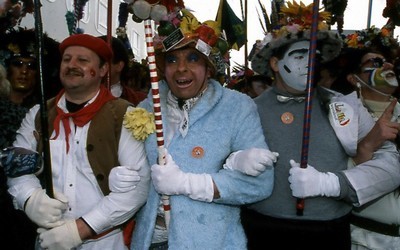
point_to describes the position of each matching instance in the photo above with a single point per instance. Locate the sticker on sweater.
(341, 113)
(197, 152)
(287, 118)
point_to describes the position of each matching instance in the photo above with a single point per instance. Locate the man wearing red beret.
(92, 156)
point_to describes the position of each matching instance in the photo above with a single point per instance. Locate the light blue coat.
(222, 121)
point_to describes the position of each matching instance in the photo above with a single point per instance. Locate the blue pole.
(369, 14)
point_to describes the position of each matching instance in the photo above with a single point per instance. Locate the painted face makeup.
(382, 78)
(379, 76)
(293, 67)
(186, 72)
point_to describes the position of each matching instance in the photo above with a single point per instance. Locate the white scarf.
(179, 117)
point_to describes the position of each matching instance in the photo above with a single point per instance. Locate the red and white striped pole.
(157, 108)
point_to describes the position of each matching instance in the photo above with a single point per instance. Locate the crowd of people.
(202, 164)
(340, 136)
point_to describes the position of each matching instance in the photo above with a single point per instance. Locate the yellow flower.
(302, 14)
(189, 25)
(140, 122)
(352, 41)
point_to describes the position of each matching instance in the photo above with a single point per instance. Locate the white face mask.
(293, 67)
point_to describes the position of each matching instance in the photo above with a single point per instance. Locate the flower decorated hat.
(375, 40)
(181, 29)
(22, 43)
(295, 25)
(17, 44)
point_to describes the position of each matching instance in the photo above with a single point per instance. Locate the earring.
(358, 90)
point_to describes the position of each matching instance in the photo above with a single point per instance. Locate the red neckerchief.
(81, 117)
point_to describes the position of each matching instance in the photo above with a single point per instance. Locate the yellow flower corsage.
(140, 122)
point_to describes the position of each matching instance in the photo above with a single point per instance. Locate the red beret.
(99, 46)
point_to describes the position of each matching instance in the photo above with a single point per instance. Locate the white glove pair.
(251, 161)
(123, 179)
(168, 179)
(65, 236)
(44, 211)
(308, 182)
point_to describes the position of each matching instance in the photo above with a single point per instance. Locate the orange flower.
(385, 32)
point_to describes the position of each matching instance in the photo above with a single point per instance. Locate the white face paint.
(293, 67)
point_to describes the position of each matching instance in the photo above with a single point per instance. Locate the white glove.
(308, 182)
(251, 161)
(168, 179)
(123, 179)
(63, 237)
(44, 211)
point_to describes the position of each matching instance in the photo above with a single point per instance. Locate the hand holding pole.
(43, 102)
(157, 108)
(310, 90)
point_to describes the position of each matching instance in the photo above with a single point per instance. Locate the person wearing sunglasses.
(22, 76)
(18, 55)
(374, 80)
(322, 179)
(22, 91)
(366, 66)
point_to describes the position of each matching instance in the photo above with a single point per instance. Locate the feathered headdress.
(12, 11)
(181, 28)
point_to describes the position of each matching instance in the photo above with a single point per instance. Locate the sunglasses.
(19, 64)
(377, 62)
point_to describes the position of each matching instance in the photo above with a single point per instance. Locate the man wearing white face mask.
(338, 123)
(294, 66)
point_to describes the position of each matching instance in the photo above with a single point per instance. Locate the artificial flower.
(296, 18)
(369, 37)
(352, 40)
(140, 122)
(302, 15)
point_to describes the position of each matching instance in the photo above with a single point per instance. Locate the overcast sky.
(355, 17)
